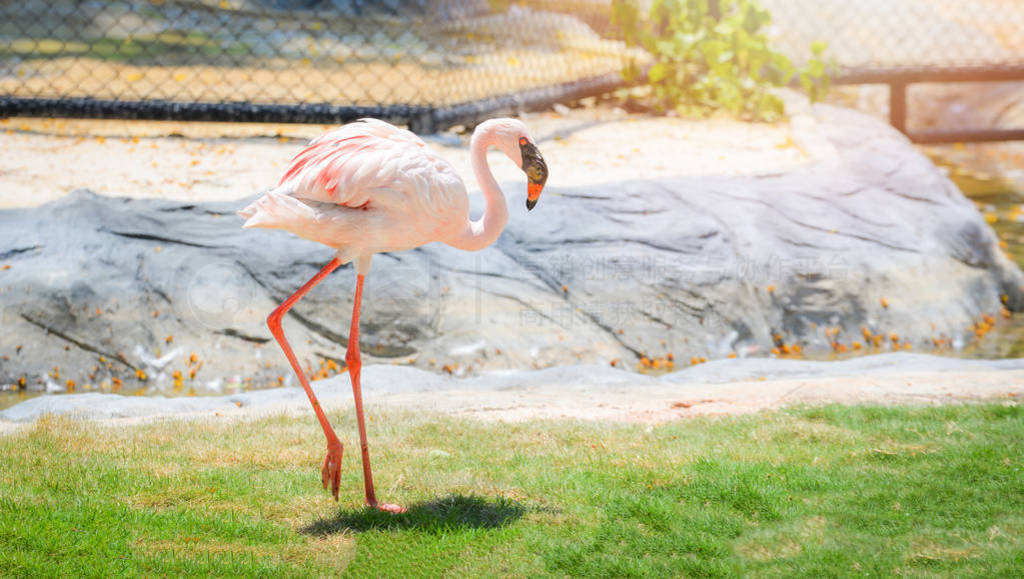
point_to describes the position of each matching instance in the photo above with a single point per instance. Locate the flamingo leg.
(354, 362)
(330, 473)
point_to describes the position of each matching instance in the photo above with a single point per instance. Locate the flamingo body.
(365, 188)
(370, 187)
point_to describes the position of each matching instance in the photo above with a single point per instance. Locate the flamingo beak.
(536, 171)
(532, 194)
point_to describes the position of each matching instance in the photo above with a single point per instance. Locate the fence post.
(898, 105)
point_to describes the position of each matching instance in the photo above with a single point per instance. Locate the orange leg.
(355, 364)
(330, 473)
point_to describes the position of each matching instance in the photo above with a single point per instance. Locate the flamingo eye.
(523, 141)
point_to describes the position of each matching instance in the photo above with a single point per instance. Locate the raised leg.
(355, 364)
(330, 473)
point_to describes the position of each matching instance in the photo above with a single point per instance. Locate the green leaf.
(658, 72)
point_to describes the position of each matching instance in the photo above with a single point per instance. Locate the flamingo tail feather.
(277, 211)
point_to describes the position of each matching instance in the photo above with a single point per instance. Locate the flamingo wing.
(372, 163)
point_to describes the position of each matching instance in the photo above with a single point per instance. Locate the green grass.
(829, 491)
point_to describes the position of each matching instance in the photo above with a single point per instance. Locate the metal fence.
(900, 34)
(424, 62)
(904, 42)
(295, 60)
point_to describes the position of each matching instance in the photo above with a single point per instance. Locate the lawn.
(819, 491)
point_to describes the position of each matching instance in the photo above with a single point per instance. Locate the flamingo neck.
(484, 231)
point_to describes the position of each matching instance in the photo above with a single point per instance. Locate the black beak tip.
(530, 204)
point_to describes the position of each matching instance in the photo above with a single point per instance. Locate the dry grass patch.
(784, 543)
(329, 554)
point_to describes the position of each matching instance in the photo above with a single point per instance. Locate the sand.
(583, 392)
(45, 159)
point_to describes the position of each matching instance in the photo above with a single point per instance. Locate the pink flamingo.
(370, 187)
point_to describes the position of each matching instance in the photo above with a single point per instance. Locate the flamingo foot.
(330, 474)
(389, 508)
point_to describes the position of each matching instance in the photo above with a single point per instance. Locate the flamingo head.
(535, 168)
(512, 138)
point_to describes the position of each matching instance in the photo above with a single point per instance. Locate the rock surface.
(868, 234)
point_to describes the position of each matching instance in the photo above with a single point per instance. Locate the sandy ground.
(659, 405)
(45, 159)
(357, 83)
(724, 387)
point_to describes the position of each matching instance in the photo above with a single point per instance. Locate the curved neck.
(484, 231)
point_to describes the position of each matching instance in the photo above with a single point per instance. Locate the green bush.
(711, 55)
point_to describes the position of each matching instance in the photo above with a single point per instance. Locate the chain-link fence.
(395, 58)
(426, 61)
(900, 34)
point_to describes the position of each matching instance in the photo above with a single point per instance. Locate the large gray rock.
(695, 266)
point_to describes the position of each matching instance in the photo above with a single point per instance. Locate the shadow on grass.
(442, 514)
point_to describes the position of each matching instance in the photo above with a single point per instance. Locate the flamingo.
(370, 187)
